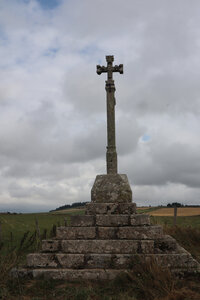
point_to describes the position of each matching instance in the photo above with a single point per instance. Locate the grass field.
(144, 282)
(13, 226)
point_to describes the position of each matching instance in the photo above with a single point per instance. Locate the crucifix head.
(110, 68)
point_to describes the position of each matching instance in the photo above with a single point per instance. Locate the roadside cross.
(111, 154)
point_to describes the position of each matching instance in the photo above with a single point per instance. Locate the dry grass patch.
(187, 237)
(181, 211)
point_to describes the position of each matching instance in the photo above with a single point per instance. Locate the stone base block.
(69, 274)
(113, 220)
(111, 188)
(110, 220)
(82, 221)
(73, 233)
(129, 232)
(109, 233)
(139, 220)
(98, 246)
(165, 244)
(108, 261)
(110, 208)
(57, 260)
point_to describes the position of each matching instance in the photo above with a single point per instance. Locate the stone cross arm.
(110, 68)
(102, 69)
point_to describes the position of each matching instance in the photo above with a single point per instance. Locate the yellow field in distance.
(68, 211)
(181, 211)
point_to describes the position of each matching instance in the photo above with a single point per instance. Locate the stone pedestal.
(111, 188)
(104, 242)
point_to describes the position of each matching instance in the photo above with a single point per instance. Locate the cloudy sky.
(53, 105)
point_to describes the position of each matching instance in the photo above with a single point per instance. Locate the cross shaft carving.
(111, 154)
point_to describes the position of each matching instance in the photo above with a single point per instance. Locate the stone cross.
(111, 154)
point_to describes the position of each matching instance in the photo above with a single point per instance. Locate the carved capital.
(109, 58)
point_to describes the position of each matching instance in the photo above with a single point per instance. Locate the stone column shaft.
(111, 154)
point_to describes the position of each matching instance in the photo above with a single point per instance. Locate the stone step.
(98, 246)
(67, 274)
(110, 220)
(73, 233)
(110, 208)
(110, 261)
(127, 232)
(166, 244)
(79, 221)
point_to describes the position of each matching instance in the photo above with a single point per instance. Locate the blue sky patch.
(146, 137)
(51, 51)
(49, 4)
(89, 50)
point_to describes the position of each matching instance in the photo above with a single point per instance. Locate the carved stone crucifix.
(111, 154)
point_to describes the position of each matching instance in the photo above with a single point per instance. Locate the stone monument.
(113, 187)
(104, 242)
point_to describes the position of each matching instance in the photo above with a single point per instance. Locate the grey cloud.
(153, 165)
(169, 93)
(53, 104)
(153, 195)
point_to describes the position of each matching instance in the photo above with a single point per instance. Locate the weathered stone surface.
(104, 246)
(73, 261)
(166, 244)
(140, 232)
(39, 260)
(106, 233)
(57, 260)
(176, 262)
(140, 220)
(112, 220)
(129, 232)
(72, 233)
(21, 273)
(126, 261)
(146, 246)
(70, 274)
(117, 261)
(108, 261)
(110, 208)
(98, 261)
(102, 261)
(51, 245)
(111, 188)
(82, 221)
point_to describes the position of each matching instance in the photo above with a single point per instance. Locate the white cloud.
(53, 104)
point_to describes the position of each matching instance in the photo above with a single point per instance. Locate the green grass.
(146, 210)
(191, 221)
(13, 226)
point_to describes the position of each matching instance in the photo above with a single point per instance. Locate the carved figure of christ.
(111, 154)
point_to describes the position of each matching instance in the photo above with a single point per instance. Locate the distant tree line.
(68, 206)
(177, 204)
